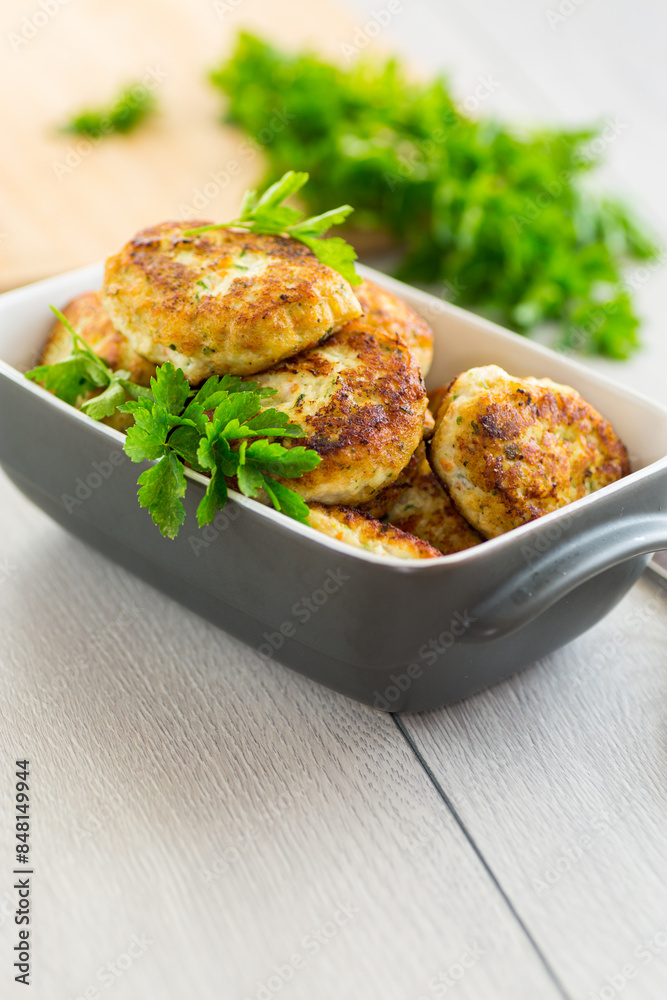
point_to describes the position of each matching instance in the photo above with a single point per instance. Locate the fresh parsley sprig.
(208, 428)
(83, 372)
(180, 425)
(507, 221)
(266, 214)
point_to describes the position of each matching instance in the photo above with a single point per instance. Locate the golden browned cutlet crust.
(351, 526)
(383, 501)
(361, 400)
(510, 450)
(429, 424)
(424, 508)
(226, 301)
(435, 398)
(386, 312)
(88, 317)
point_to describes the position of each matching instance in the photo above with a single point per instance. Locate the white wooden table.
(210, 826)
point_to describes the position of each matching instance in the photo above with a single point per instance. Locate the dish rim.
(431, 303)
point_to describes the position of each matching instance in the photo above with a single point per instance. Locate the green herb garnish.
(83, 372)
(500, 221)
(265, 213)
(174, 424)
(130, 108)
(181, 425)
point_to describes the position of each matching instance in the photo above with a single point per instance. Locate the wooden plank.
(559, 776)
(231, 813)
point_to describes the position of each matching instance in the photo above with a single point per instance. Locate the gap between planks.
(548, 968)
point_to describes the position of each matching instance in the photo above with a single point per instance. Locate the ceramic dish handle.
(554, 574)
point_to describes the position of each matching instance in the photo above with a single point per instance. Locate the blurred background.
(67, 199)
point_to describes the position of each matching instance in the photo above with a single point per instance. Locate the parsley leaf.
(185, 442)
(214, 499)
(335, 253)
(209, 428)
(266, 214)
(69, 380)
(83, 372)
(275, 423)
(170, 389)
(106, 404)
(274, 458)
(178, 424)
(161, 490)
(251, 479)
(146, 439)
(286, 500)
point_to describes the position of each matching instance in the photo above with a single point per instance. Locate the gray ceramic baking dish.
(398, 635)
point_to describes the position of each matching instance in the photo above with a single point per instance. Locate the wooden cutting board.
(66, 201)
